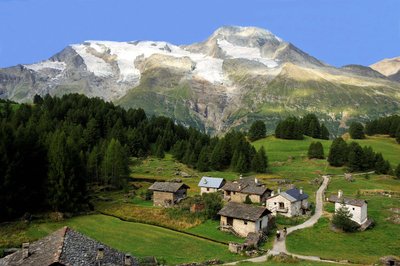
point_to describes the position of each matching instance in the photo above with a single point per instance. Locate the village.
(249, 212)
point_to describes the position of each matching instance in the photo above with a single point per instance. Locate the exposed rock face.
(237, 75)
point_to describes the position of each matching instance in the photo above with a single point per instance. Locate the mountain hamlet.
(236, 76)
(238, 150)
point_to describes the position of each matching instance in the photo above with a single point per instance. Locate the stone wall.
(163, 199)
(207, 190)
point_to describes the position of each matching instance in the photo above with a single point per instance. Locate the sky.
(338, 32)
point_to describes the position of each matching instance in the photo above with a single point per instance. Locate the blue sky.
(338, 32)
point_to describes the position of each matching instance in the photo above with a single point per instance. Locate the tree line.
(295, 128)
(389, 125)
(52, 150)
(232, 151)
(357, 158)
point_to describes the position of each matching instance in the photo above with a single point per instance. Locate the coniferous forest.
(52, 150)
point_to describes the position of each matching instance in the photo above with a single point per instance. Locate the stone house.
(67, 247)
(166, 194)
(357, 207)
(243, 219)
(292, 202)
(238, 190)
(210, 184)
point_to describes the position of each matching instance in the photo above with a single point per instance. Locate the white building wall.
(242, 228)
(359, 213)
(293, 208)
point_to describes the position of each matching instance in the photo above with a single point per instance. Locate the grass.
(210, 229)
(360, 247)
(138, 239)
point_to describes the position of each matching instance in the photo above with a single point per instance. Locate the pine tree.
(93, 164)
(381, 166)
(115, 164)
(259, 162)
(368, 158)
(257, 130)
(338, 152)
(342, 220)
(324, 132)
(355, 157)
(356, 131)
(203, 162)
(241, 166)
(316, 150)
(398, 134)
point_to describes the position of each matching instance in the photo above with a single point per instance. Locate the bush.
(257, 130)
(212, 204)
(146, 194)
(248, 200)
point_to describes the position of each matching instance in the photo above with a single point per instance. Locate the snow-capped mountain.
(235, 76)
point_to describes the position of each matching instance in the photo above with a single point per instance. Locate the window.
(234, 193)
(274, 203)
(353, 209)
(281, 205)
(245, 222)
(208, 189)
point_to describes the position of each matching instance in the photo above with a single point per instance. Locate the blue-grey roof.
(211, 182)
(295, 193)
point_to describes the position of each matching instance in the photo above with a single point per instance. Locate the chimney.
(340, 193)
(272, 193)
(100, 253)
(128, 260)
(241, 177)
(256, 180)
(25, 250)
(301, 190)
(279, 190)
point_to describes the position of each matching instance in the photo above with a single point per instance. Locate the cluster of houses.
(241, 218)
(236, 216)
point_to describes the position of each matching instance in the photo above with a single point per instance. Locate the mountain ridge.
(235, 76)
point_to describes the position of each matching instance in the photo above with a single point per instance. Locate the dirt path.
(280, 245)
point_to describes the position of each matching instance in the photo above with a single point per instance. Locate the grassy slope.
(138, 239)
(361, 247)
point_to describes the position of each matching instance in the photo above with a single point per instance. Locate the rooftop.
(168, 186)
(243, 211)
(246, 185)
(211, 182)
(66, 247)
(347, 201)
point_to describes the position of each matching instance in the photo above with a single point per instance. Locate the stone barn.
(239, 190)
(243, 219)
(358, 207)
(210, 184)
(166, 194)
(292, 202)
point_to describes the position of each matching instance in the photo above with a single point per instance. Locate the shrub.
(212, 204)
(342, 220)
(248, 200)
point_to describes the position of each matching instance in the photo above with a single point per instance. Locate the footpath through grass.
(138, 239)
(360, 247)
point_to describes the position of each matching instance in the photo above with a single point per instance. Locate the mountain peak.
(244, 32)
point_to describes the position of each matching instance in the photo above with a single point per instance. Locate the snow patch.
(94, 64)
(47, 64)
(125, 54)
(251, 53)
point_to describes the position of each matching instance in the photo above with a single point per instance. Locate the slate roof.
(168, 186)
(243, 211)
(347, 201)
(66, 247)
(211, 182)
(246, 186)
(292, 195)
(295, 193)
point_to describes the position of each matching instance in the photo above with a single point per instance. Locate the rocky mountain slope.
(389, 67)
(237, 75)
